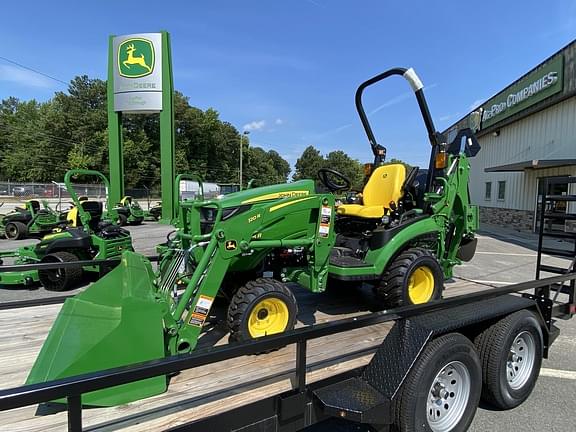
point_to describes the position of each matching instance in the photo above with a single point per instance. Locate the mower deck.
(200, 392)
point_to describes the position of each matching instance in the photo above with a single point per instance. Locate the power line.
(34, 70)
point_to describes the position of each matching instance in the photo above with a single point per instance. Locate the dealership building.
(527, 132)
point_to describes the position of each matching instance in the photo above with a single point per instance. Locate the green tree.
(308, 164)
(344, 164)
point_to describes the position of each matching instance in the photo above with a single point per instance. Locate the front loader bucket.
(114, 322)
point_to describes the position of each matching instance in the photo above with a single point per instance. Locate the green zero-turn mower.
(31, 220)
(405, 236)
(128, 211)
(92, 237)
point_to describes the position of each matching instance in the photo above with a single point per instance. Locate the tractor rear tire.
(61, 279)
(413, 277)
(15, 230)
(261, 307)
(511, 355)
(122, 220)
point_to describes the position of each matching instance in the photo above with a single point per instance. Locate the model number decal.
(254, 218)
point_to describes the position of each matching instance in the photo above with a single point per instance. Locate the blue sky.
(288, 70)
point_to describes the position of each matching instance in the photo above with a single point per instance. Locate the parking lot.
(503, 257)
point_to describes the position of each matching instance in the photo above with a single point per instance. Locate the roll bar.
(418, 88)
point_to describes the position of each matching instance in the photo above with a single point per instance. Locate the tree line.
(40, 141)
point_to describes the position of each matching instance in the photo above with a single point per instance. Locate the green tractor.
(404, 238)
(34, 219)
(90, 238)
(128, 211)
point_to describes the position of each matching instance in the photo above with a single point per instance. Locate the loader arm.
(240, 242)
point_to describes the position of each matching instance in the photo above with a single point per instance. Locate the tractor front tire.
(15, 230)
(138, 221)
(121, 220)
(261, 307)
(413, 277)
(61, 279)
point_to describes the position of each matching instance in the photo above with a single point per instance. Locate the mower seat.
(383, 187)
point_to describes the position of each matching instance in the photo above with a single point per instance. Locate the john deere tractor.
(405, 235)
(31, 220)
(88, 237)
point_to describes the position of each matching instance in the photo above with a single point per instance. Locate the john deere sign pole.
(140, 82)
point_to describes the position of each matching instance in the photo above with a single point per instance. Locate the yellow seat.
(384, 186)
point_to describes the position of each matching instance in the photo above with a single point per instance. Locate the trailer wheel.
(511, 355)
(61, 279)
(414, 277)
(442, 391)
(121, 220)
(15, 230)
(261, 307)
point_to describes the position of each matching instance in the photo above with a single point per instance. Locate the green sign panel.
(534, 87)
(135, 58)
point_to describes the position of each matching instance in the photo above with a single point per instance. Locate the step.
(559, 234)
(557, 252)
(553, 269)
(561, 198)
(347, 261)
(354, 399)
(563, 216)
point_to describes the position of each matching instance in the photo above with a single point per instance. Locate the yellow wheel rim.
(268, 317)
(421, 285)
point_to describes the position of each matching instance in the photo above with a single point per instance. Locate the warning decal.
(201, 310)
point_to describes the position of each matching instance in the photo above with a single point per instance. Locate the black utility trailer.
(431, 370)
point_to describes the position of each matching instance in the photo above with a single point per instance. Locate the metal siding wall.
(548, 134)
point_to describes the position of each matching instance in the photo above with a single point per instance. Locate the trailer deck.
(206, 390)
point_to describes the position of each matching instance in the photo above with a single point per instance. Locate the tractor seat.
(35, 205)
(383, 187)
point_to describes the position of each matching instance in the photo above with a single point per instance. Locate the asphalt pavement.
(503, 257)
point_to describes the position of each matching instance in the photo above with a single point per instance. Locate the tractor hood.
(299, 188)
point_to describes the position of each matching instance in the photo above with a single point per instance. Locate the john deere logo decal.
(135, 58)
(231, 245)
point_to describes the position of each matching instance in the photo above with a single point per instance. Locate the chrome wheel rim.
(448, 397)
(521, 359)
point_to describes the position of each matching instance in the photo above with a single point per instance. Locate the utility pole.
(242, 136)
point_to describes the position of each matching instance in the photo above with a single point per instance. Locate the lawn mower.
(127, 211)
(31, 220)
(91, 238)
(404, 238)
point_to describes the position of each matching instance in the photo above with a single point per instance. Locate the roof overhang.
(532, 164)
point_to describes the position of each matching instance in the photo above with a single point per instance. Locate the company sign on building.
(138, 73)
(534, 87)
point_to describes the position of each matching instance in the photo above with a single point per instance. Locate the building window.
(501, 190)
(488, 191)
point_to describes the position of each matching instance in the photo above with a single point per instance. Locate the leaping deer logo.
(135, 60)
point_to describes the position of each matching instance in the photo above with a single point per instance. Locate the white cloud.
(398, 99)
(448, 117)
(278, 121)
(23, 77)
(255, 125)
(476, 104)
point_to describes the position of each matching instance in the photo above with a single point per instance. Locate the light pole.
(241, 136)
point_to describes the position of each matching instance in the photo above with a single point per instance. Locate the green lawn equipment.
(154, 213)
(404, 238)
(128, 211)
(31, 220)
(92, 238)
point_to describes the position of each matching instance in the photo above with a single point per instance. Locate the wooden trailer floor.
(206, 390)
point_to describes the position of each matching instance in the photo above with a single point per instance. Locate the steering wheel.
(330, 177)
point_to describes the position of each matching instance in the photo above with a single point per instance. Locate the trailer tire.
(261, 307)
(413, 277)
(511, 353)
(15, 230)
(450, 403)
(60, 279)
